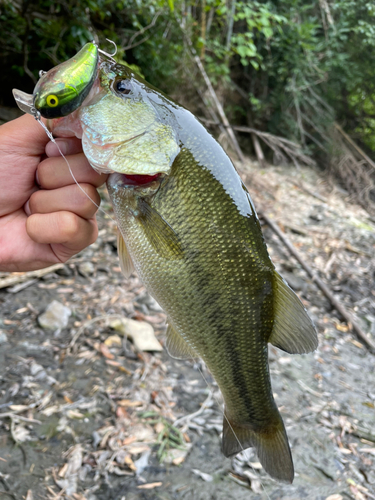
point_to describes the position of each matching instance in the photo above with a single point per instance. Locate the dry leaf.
(206, 477)
(74, 414)
(128, 403)
(113, 340)
(29, 495)
(129, 462)
(105, 351)
(149, 486)
(141, 333)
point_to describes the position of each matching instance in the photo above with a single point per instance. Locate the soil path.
(95, 421)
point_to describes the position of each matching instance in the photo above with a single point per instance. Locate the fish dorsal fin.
(293, 331)
(177, 347)
(126, 262)
(159, 233)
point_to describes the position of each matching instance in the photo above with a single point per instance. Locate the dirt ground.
(85, 415)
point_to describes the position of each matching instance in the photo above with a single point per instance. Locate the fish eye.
(123, 87)
(52, 101)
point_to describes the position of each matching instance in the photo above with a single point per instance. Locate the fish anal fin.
(126, 262)
(271, 445)
(177, 347)
(293, 331)
(159, 233)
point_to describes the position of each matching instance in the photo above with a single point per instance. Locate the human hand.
(47, 221)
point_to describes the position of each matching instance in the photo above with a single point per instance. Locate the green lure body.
(63, 89)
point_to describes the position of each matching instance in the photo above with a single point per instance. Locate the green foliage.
(291, 67)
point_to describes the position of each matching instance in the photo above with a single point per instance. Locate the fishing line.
(52, 139)
(235, 435)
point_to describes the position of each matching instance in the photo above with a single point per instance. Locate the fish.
(189, 228)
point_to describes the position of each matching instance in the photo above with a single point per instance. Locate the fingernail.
(26, 208)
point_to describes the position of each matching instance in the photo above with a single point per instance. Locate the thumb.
(25, 136)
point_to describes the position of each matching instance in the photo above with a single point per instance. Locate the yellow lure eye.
(52, 101)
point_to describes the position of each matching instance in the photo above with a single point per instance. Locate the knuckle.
(87, 204)
(69, 225)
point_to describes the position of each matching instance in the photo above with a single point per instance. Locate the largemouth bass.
(188, 226)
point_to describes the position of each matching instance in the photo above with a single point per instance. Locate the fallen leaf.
(149, 486)
(121, 412)
(141, 333)
(129, 462)
(113, 340)
(342, 328)
(368, 450)
(74, 414)
(136, 450)
(129, 403)
(206, 477)
(105, 351)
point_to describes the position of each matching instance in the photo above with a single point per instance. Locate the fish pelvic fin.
(126, 262)
(271, 445)
(159, 233)
(177, 347)
(293, 331)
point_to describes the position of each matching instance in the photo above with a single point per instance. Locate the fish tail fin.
(271, 445)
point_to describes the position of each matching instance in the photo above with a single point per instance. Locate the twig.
(140, 32)
(308, 191)
(24, 419)
(196, 413)
(2, 492)
(339, 307)
(88, 323)
(13, 279)
(355, 146)
(215, 100)
(279, 145)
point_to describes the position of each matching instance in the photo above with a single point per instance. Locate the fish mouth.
(138, 179)
(117, 180)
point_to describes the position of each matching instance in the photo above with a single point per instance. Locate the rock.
(3, 337)
(55, 317)
(86, 268)
(141, 333)
(35, 368)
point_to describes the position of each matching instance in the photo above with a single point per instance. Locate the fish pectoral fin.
(126, 263)
(293, 331)
(177, 347)
(159, 233)
(272, 447)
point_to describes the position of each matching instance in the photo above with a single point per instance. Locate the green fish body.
(195, 240)
(188, 226)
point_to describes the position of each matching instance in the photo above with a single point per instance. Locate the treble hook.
(110, 56)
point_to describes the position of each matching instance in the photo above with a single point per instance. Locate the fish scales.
(189, 227)
(219, 297)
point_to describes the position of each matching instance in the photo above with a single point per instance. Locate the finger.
(68, 146)
(69, 198)
(53, 173)
(62, 228)
(24, 135)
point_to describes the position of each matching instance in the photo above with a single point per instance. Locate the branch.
(339, 307)
(215, 99)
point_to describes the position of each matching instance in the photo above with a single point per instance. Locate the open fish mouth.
(135, 180)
